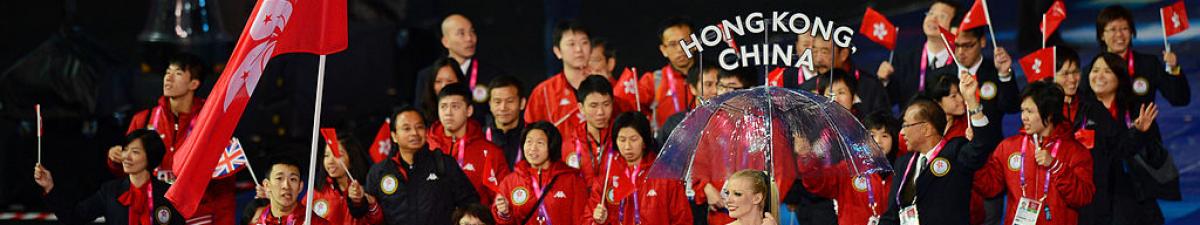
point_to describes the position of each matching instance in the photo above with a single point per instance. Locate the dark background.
(87, 104)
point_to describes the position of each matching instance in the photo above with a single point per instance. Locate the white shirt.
(465, 65)
(941, 56)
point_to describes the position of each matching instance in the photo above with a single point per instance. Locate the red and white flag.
(775, 77)
(948, 40)
(275, 27)
(976, 17)
(1052, 18)
(1174, 19)
(877, 28)
(1038, 65)
(331, 139)
(382, 146)
(626, 89)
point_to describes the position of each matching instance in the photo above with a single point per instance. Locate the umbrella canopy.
(807, 133)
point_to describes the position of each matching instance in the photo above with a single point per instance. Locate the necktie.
(909, 192)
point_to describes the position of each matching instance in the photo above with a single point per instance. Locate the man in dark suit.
(871, 95)
(458, 37)
(904, 75)
(935, 178)
(998, 90)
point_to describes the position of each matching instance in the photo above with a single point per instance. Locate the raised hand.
(355, 192)
(1170, 59)
(885, 70)
(43, 178)
(114, 153)
(1002, 60)
(600, 214)
(501, 205)
(1146, 117)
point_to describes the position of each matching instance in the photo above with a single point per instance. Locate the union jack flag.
(233, 160)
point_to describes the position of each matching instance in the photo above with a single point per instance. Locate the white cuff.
(980, 122)
(1005, 78)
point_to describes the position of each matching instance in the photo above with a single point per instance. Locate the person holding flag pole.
(317, 27)
(336, 186)
(1115, 31)
(634, 198)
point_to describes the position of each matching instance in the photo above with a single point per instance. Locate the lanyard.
(1129, 58)
(1046, 184)
(870, 194)
(670, 74)
(637, 213)
(487, 133)
(266, 215)
(154, 118)
(462, 146)
(924, 64)
(543, 216)
(908, 168)
(474, 72)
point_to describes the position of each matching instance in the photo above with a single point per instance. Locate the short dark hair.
(977, 32)
(593, 84)
(609, 51)
(552, 135)
(943, 87)
(1064, 54)
(285, 160)
(152, 144)
(191, 64)
(674, 21)
(507, 81)
(745, 75)
(566, 26)
(930, 111)
(1110, 14)
(883, 119)
(1048, 97)
(839, 75)
(474, 210)
(638, 122)
(455, 89)
(403, 109)
(697, 71)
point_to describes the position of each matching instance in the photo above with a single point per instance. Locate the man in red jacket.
(172, 119)
(554, 99)
(586, 143)
(456, 135)
(669, 84)
(1047, 173)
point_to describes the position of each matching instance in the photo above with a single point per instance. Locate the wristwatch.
(976, 110)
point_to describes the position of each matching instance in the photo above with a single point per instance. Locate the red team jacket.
(217, 205)
(840, 183)
(481, 160)
(331, 204)
(564, 202)
(659, 201)
(581, 151)
(553, 100)
(719, 156)
(1070, 175)
(670, 91)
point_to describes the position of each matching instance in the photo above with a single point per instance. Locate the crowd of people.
(477, 148)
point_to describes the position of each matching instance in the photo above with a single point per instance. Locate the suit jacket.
(105, 202)
(905, 80)
(943, 199)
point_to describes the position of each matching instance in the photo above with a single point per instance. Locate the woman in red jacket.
(860, 195)
(543, 190)
(1047, 173)
(334, 183)
(630, 196)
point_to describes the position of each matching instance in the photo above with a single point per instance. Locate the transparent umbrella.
(731, 132)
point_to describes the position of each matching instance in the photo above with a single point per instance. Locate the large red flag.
(1174, 19)
(1052, 18)
(877, 28)
(275, 27)
(976, 17)
(1038, 65)
(382, 146)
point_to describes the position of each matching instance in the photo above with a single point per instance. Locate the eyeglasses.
(911, 125)
(966, 45)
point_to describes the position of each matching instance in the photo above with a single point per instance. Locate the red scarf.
(138, 203)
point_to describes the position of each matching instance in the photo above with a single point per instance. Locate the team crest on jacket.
(987, 91)
(1141, 86)
(162, 214)
(860, 183)
(611, 196)
(573, 160)
(321, 208)
(519, 196)
(480, 93)
(940, 167)
(1014, 161)
(388, 184)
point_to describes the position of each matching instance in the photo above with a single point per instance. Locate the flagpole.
(251, 169)
(893, 52)
(1043, 26)
(637, 93)
(312, 160)
(1163, 20)
(988, 16)
(38, 108)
